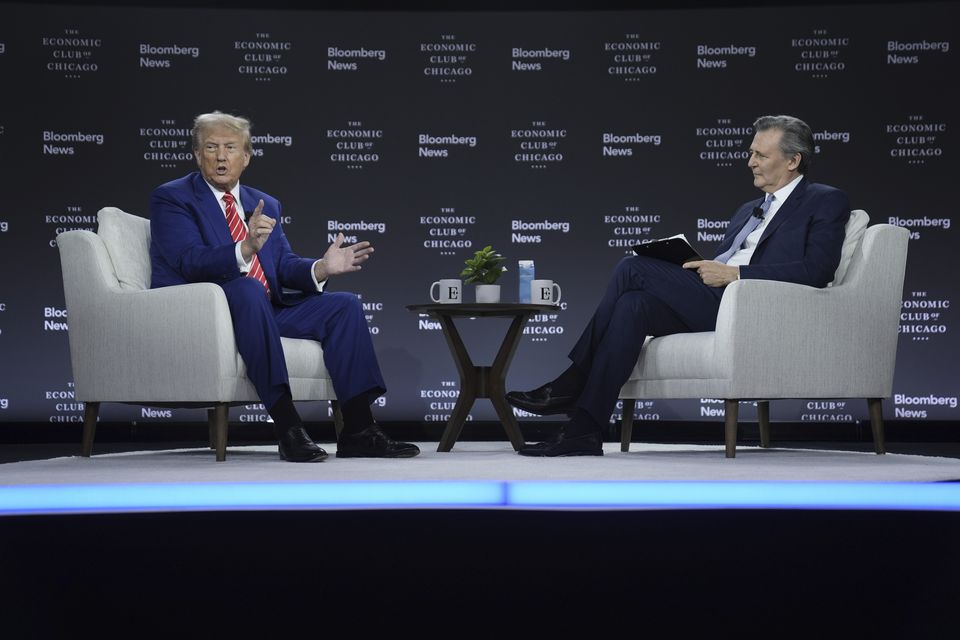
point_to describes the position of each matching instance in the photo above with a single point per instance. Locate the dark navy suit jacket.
(191, 242)
(802, 243)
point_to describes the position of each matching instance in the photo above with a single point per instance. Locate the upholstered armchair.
(168, 347)
(778, 340)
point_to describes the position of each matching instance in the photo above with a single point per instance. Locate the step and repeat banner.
(562, 138)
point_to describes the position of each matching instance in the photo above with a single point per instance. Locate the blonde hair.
(207, 121)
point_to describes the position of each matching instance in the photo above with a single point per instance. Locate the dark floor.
(19, 442)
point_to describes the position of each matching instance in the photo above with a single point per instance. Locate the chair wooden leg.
(337, 417)
(90, 412)
(730, 409)
(212, 427)
(875, 407)
(626, 424)
(763, 417)
(220, 411)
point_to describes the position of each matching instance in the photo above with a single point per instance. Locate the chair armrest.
(776, 337)
(172, 344)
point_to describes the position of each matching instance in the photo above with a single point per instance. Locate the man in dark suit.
(201, 232)
(794, 234)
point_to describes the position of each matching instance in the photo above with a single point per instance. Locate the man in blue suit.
(794, 234)
(201, 232)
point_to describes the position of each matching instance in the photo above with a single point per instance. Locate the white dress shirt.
(242, 264)
(753, 239)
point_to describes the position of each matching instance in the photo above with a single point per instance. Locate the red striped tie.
(238, 231)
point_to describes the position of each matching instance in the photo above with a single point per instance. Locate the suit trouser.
(644, 297)
(335, 319)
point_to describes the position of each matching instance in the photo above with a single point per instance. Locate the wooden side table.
(481, 382)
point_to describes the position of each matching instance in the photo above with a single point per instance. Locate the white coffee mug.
(541, 292)
(449, 291)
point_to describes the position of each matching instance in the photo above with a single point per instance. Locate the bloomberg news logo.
(162, 56)
(442, 145)
(907, 406)
(719, 57)
(533, 60)
(912, 53)
(265, 141)
(623, 145)
(67, 143)
(350, 60)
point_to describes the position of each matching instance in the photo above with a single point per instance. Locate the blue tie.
(748, 227)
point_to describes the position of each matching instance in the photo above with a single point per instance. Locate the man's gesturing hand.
(259, 227)
(340, 259)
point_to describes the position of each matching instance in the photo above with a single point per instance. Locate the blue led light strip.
(107, 498)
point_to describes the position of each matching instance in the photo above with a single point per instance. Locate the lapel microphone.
(758, 212)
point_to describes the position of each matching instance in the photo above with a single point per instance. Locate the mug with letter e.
(541, 292)
(449, 291)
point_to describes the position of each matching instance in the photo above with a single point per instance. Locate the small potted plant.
(483, 269)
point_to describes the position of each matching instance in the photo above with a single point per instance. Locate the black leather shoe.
(542, 401)
(296, 446)
(373, 443)
(588, 444)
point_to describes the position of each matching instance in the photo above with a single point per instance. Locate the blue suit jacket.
(802, 243)
(190, 241)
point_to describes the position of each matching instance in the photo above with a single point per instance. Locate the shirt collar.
(218, 194)
(781, 194)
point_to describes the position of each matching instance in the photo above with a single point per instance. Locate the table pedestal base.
(482, 382)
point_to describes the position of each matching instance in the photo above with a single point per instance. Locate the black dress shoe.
(373, 443)
(296, 446)
(588, 444)
(542, 401)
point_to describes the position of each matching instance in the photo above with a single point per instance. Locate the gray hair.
(797, 137)
(206, 121)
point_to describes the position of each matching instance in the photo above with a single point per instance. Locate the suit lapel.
(736, 224)
(794, 200)
(210, 211)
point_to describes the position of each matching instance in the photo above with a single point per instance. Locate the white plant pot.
(488, 293)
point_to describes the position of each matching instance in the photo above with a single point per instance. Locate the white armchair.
(777, 340)
(168, 347)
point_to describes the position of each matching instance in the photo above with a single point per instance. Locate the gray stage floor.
(494, 461)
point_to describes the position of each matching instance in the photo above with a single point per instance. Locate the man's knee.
(632, 304)
(244, 294)
(344, 302)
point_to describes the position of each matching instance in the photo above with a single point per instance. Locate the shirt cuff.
(242, 264)
(313, 276)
